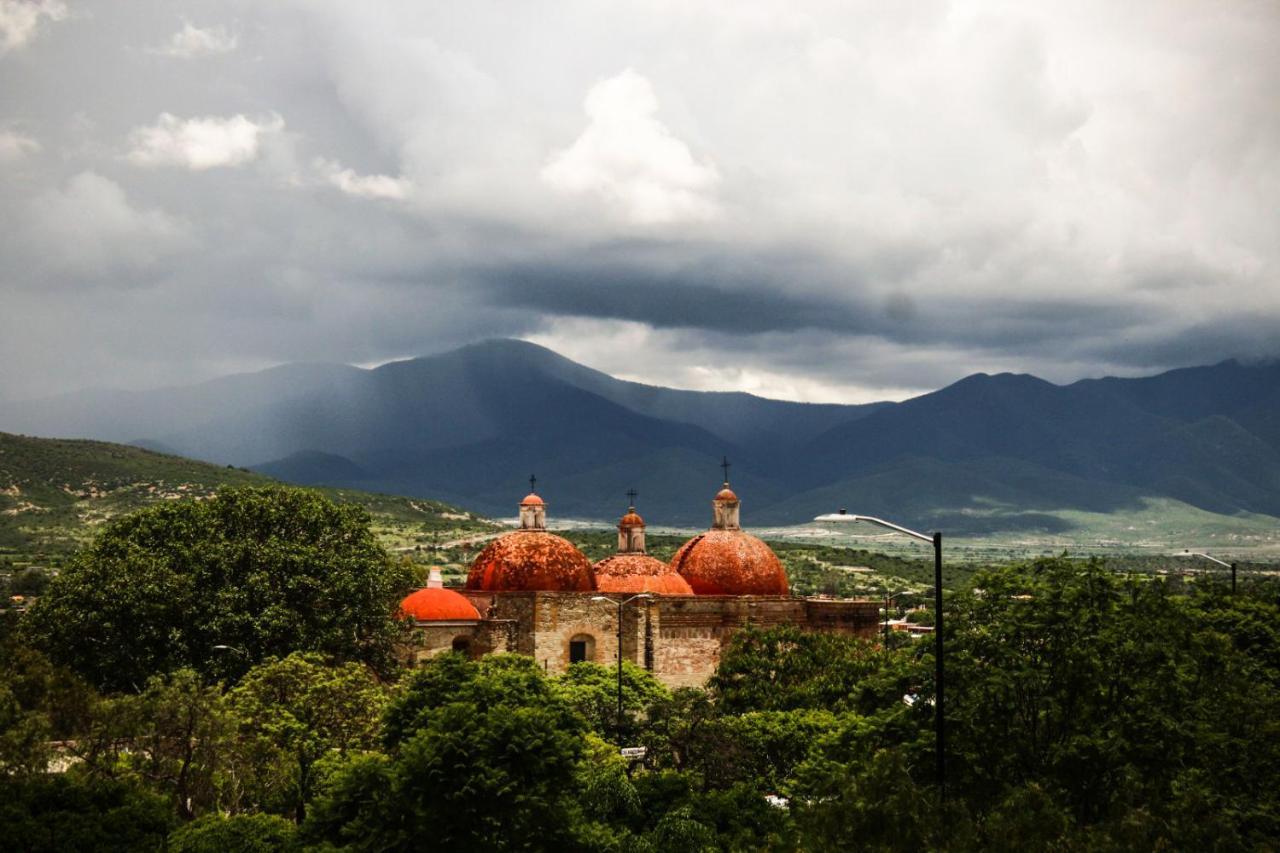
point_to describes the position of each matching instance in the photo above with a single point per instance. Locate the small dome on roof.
(631, 519)
(632, 573)
(531, 560)
(725, 494)
(532, 499)
(434, 604)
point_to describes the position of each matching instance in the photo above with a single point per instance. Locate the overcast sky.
(844, 201)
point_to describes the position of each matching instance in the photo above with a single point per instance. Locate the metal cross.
(724, 463)
(533, 483)
(631, 493)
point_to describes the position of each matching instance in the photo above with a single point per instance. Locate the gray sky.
(817, 201)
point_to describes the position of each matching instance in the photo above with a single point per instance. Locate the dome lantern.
(631, 529)
(533, 509)
(631, 571)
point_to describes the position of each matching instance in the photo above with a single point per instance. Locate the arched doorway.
(582, 647)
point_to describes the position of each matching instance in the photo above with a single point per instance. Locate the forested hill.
(55, 493)
(988, 453)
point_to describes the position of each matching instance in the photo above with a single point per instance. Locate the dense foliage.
(1086, 710)
(219, 585)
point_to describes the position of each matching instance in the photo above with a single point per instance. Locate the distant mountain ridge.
(470, 425)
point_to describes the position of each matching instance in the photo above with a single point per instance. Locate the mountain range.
(988, 453)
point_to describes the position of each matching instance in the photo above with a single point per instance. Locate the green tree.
(295, 712)
(784, 668)
(221, 584)
(68, 813)
(1115, 698)
(875, 805)
(32, 581)
(176, 737)
(39, 703)
(487, 758)
(250, 833)
(592, 690)
(24, 737)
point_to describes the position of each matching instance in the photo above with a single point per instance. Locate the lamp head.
(843, 516)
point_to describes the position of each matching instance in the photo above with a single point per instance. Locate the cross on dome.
(724, 463)
(533, 484)
(631, 495)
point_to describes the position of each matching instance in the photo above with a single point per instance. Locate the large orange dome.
(634, 573)
(730, 562)
(531, 560)
(434, 604)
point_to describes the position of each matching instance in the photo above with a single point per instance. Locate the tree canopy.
(220, 585)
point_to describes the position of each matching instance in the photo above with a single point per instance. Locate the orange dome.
(631, 519)
(437, 605)
(726, 494)
(638, 573)
(532, 499)
(531, 560)
(730, 562)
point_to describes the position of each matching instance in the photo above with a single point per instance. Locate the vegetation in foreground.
(1086, 710)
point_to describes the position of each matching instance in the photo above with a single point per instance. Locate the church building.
(534, 593)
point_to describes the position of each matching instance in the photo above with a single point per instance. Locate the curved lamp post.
(624, 602)
(939, 713)
(1223, 563)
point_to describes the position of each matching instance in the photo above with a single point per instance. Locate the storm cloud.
(819, 201)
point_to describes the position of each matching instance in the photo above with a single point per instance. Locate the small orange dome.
(632, 573)
(631, 519)
(730, 562)
(532, 499)
(725, 494)
(433, 604)
(531, 560)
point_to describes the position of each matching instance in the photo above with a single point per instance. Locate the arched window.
(582, 647)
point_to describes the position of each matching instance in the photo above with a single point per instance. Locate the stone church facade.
(533, 593)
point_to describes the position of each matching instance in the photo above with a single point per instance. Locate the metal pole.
(939, 710)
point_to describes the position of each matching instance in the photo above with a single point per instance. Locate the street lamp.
(939, 714)
(620, 604)
(1231, 566)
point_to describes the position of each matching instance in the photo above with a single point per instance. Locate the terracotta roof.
(532, 499)
(730, 562)
(433, 604)
(668, 584)
(531, 560)
(725, 494)
(638, 573)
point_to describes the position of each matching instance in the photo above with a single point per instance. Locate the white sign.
(634, 751)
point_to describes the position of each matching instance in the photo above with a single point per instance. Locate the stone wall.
(678, 638)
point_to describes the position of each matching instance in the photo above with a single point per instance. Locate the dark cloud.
(802, 200)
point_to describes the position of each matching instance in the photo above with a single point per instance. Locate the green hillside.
(55, 493)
